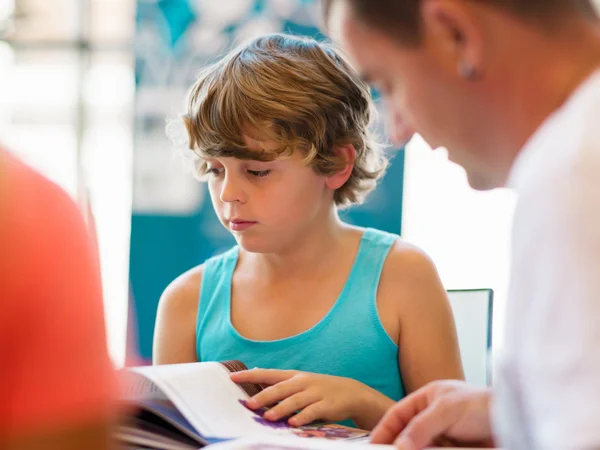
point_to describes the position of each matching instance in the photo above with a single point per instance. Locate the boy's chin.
(254, 244)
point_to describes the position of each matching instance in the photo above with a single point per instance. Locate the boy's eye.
(259, 173)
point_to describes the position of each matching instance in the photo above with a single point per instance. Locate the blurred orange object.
(56, 377)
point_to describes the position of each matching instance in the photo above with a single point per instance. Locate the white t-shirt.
(547, 386)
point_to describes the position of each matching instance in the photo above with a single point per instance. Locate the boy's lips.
(241, 224)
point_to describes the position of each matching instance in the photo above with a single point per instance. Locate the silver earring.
(467, 71)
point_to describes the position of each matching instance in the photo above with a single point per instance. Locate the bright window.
(466, 233)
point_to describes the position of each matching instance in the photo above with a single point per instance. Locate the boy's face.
(266, 205)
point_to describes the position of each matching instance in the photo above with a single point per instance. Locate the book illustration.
(260, 418)
(330, 431)
(316, 430)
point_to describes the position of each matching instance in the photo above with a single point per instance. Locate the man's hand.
(442, 411)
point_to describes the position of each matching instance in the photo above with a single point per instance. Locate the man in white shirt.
(512, 89)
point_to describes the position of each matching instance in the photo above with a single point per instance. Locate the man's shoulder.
(565, 149)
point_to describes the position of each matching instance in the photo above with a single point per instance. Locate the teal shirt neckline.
(306, 334)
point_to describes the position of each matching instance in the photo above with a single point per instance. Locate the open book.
(269, 442)
(185, 406)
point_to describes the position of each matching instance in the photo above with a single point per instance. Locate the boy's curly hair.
(298, 92)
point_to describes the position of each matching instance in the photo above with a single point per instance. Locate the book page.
(135, 386)
(206, 396)
(215, 406)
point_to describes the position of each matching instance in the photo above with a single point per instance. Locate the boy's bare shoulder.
(174, 331)
(408, 272)
(405, 260)
(183, 294)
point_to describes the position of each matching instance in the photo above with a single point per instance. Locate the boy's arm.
(175, 329)
(427, 335)
(413, 303)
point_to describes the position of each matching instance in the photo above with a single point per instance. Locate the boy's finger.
(274, 394)
(262, 376)
(290, 405)
(308, 415)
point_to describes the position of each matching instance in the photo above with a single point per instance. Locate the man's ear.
(455, 28)
(348, 156)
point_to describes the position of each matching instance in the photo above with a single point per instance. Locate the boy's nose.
(231, 190)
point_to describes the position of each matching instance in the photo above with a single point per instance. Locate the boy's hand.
(312, 396)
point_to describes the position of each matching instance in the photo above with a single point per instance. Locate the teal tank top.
(349, 341)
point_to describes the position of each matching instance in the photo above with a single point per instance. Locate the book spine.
(238, 366)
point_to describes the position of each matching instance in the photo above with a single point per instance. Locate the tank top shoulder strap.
(374, 248)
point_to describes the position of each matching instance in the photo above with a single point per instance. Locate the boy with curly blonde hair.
(342, 321)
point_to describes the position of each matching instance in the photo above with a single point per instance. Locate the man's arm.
(556, 273)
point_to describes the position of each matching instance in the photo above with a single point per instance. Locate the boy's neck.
(316, 248)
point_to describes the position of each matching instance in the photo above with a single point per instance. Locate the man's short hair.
(401, 18)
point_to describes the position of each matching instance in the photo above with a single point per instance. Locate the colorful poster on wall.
(173, 225)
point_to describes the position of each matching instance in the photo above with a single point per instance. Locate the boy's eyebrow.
(245, 154)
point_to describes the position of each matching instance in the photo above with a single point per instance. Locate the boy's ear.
(347, 153)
